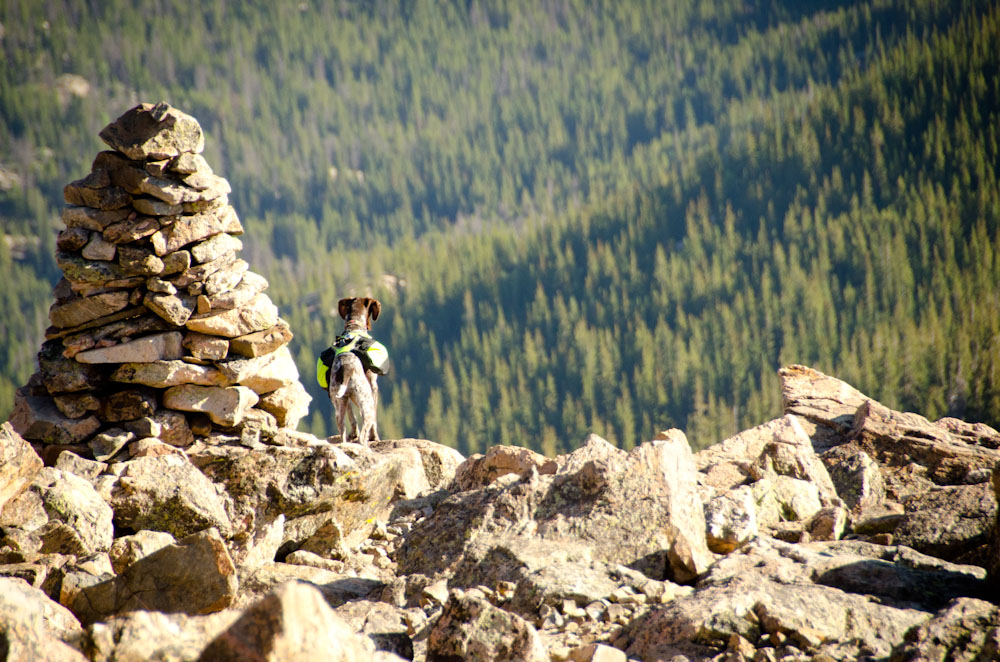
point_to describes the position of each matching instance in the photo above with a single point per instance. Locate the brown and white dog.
(350, 383)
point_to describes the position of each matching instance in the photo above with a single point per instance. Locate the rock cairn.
(159, 329)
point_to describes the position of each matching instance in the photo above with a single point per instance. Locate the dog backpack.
(373, 354)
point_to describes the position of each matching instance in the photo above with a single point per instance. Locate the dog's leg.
(340, 405)
(373, 382)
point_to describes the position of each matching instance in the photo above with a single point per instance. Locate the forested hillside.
(613, 217)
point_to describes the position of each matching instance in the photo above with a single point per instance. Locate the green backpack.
(373, 354)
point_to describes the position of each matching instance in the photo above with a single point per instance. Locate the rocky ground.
(156, 502)
(285, 546)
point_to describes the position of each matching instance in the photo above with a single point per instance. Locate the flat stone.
(224, 406)
(86, 309)
(76, 405)
(225, 279)
(155, 347)
(197, 274)
(36, 418)
(109, 443)
(262, 342)
(264, 373)
(62, 375)
(139, 323)
(77, 269)
(249, 287)
(99, 249)
(201, 346)
(154, 132)
(163, 374)
(185, 230)
(289, 404)
(70, 462)
(131, 230)
(107, 198)
(136, 261)
(71, 240)
(175, 309)
(88, 218)
(258, 314)
(156, 207)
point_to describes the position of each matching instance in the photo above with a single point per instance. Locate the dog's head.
(360, 310)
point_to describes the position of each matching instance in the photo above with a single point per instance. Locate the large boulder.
(195, 576)
(293, 623)
(473, 630)
(139, 636)
(640, 509)
(80, 521)
(167, 493)
(33, 627)
(966, 630)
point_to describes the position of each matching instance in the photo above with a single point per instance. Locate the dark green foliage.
(614, 217)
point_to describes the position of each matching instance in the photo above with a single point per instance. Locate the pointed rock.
(154, 132)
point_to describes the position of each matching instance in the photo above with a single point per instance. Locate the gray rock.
(215, 247)
(248, 288)
(965, 630)
(855, 476)
(730, 520)
(99, 249)
(472, 629)
(154, 132)
(88, 218)
(826, 404)
(36, 418)
(131, 230)
(167, 493)
(109, 443)
(189, 229)
(164, 374)
(156, 207)
(173, 308)
(950, 522)
(82, 467)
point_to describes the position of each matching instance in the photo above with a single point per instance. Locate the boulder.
(826, 404)
(167, 493)
(193, 576)
(952, 522)
(730, 520)
(292, 623)
(127, 550)
(641, 510)
(19, 464)
(966, 630)
(473, 630)
(440, 462)
(856, 477)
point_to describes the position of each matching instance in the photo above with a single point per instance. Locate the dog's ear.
(374, 308)
(344, 307)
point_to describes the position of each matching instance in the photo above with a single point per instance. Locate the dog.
(351, 383)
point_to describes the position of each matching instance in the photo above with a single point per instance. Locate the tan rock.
(163, 374)
(156, 207)
(256, 315)
(294, 622)
(201, 346)
(187, 164)
(81, 310)
(289, 404)
(474, 630)
(264, 373)
(172, 308)
(262, 342)
(249, 287)
(18, 463)
(98, 249)
(225, 279)
(34, 626)
(72, 500)
(147, 349)
(140, 636)
(185, 230)
(215, 247)
(135, 261)
(107, 198)
(131, 230)
(225, 406)
(127, 550)
(480, 470)
(71, 240)
(75, 216)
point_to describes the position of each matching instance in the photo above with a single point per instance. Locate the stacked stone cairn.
(159, 330)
